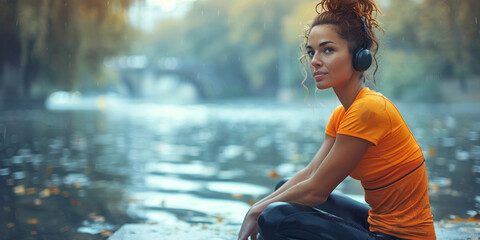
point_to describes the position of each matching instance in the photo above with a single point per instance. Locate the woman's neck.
(348, 92)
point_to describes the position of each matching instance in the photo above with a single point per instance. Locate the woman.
(365, 138)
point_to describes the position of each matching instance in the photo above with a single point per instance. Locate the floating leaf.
(296, 158)
(19, 190)
(65, 194)
(10, 225)
(132, 200)
(44, 193)
(75, 202)
(31, 191)
(32, 221)
(106, 233)
(49, 170)
(273, 174)
(37, 202)
(34, 233)
(237, 195)
(10, 182)
(219, 219)
(77, 185)
(459, 219)
(54, 190)
(432, 152)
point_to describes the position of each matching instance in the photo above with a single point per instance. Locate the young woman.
(365, 138)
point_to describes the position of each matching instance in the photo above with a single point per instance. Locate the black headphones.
(363, 58)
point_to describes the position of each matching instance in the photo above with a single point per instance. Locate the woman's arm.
(307, 171)
(249, 226)
(343, 157)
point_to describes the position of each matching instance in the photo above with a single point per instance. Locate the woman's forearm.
(300, 176)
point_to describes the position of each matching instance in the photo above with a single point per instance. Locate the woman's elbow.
(316, 196)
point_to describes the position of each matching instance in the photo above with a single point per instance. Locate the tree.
(61, 42)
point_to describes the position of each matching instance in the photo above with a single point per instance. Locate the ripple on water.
(230, 211)
(196, 168)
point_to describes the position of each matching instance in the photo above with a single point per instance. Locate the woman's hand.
(250, 225)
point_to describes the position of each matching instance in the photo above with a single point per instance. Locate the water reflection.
(82, 174)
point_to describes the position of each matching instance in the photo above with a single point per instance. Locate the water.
(81, 174)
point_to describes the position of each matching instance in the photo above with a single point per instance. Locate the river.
(80, 173)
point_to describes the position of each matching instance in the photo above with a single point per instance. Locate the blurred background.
(168, 111)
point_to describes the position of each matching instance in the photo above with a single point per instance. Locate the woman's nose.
(316, 61)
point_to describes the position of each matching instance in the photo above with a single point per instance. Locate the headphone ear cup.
(362, 60)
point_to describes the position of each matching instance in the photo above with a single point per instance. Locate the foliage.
(428, 42)
(253, 45)
(63, 41)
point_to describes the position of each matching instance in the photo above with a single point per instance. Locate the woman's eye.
(311, 53)
(328, 50)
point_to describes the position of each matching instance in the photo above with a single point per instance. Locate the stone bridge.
(134, 70)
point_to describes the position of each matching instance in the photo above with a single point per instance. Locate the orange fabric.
(391, 172)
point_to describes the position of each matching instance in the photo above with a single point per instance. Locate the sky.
(146, 14)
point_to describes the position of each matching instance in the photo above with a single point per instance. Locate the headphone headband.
(366, 42)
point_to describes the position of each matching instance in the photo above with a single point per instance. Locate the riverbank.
(444, 230)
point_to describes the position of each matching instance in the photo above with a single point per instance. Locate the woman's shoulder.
(372, 100)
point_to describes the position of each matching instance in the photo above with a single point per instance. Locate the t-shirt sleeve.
(366, 119)
(332, 125)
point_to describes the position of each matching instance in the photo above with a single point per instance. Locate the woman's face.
(329, 58)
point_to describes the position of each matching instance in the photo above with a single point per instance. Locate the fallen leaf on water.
(433, 186)
(237, 195)
(77, 185)
(432, 152)
(19, 190)
(65, 194)
(34, 232)
(219, 219)
(49, 170)
(32, 221)
(132, 200)
(31, 191)
(152, 223)
(37, 202)
(459, 219)
(204, 226)
(106, 233)
(11, 225)
(10, 182)
(54, 190)
(296, 157)
(44, 193)
(75, 202)
(273, 174)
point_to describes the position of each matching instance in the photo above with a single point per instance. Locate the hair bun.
(362, 8)
(337, 6)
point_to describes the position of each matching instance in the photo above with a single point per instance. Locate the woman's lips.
(319, 75)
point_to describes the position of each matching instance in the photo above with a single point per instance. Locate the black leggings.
(340, 217)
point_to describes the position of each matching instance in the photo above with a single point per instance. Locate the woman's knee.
(275, 214)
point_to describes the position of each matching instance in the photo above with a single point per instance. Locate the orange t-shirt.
(392, 171)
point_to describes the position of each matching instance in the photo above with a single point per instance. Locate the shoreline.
(444, 230)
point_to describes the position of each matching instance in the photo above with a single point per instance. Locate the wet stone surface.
(444, 230)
